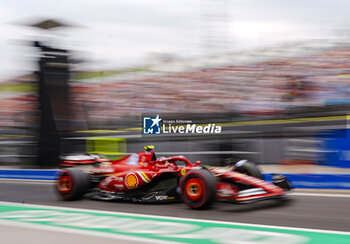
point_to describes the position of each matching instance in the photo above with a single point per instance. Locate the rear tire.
(72, 184)
(250, 169)
(198, 189)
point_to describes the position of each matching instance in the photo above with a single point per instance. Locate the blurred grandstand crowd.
(268, 87)
(258, 88)
(17, 107)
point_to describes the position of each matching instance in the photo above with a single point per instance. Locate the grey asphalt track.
(319, 212)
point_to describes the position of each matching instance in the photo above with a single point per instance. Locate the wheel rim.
(194, 189)
(64, 183)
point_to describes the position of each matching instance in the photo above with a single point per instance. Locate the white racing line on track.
(311, 194)
(34, 182)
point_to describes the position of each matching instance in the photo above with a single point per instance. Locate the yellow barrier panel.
(106, 146)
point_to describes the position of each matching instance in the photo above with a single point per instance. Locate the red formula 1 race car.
(142, 177)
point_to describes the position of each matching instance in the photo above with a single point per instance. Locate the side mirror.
(197, 163)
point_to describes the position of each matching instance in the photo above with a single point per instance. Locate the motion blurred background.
(274, 74)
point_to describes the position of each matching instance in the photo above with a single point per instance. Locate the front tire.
(72, 184)
(249, 168)
(198, 189)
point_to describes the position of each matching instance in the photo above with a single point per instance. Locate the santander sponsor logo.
(254, 181)
(263, 184)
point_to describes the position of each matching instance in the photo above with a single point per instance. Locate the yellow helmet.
(149, 147)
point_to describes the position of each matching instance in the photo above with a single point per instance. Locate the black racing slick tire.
(72, 184)
(198, 189)
(250, 169)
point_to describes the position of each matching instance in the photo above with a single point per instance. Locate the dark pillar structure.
(54, 105)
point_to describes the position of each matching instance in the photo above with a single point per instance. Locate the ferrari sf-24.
(141, 177)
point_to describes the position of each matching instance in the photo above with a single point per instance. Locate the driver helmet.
(149, 148)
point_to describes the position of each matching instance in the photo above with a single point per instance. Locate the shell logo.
(131, 180)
